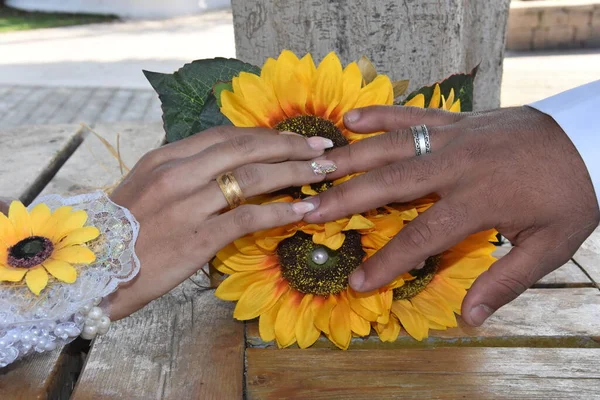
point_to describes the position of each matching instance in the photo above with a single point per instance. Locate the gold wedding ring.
(231, 189)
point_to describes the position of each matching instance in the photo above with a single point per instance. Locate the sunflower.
(438, 100)
(432, 295)
(295, 278)
(37, 243)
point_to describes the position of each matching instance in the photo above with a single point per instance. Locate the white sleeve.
(578, 114)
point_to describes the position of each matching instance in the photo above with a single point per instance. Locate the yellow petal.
(18, 215)
(322, 308)
(247, 245)
(287, 317)
(339, 325)
(411, 319)
(290, 88)
(378, 92)
(266, 323)
(12, 274)
(436, 97)
(39, 215)
(328, 90)
(234, 108)
(456, 106)
(334, 242)
(36, 279)
(8, 236)
(307, 69)
(74, 255)
(451, 293)
(234, 286)
(358, 222)
(268, 70)
(306, 331)
(48, 230)
(434, 308)
(450, 99)
(388, 332)
(367, 305)
(258, 298)
(417, 101)
(260, 97)
(333, 228)
(359, 325)
(79, 236)
(61, 270)
(352, 83)
(233, 259)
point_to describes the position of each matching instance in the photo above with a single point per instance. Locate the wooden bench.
(186, 345)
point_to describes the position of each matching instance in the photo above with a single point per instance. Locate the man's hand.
(511, 169)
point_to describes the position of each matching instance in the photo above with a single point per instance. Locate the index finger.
(390, 118)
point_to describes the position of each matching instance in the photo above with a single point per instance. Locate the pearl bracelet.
(96, 323)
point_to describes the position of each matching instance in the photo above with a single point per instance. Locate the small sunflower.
(438, 100)
(37, 243)
(432, 295)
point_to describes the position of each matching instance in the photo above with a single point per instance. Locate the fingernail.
(323, 167)
(319, 143)
(480, 313)
(357, 279)
(314, 200)
(352, 116)
(289, 133)
(303, 207)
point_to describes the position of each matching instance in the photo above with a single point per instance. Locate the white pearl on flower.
(59, 331)
(86, 309)
(97, 300)
(87, 337)
(320, 256)
(50, 346)
(95, 313)
(104, 322)
(90, 322)
(72, 331)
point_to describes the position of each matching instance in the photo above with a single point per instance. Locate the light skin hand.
(513, 169)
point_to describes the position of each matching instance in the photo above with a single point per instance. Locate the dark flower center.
(30, 252)
(309, 125)
(316, 269)
(422, 278)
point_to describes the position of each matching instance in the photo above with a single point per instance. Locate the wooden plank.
(538, 318)
(27, 108)
(569, 275)
(185, 345)
(48, 108)
(52, 375)
(445, 373)
(588, 257)
(31, 156)
(97, 103)
(92, 167)
(117, 105)
(12, 100)
(137, 107)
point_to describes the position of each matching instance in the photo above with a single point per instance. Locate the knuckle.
(389, 176)
(417, 235)
(513, 285)
(250, 175)
(221, 133)
(243, 145)
(164, 179)
(395, 140)
(245, 217)
(151, 159)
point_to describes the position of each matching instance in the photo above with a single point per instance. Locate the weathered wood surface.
(53, 375)
(424, 41)
(569, 275)
(588, 257)
(31, 156)
(538, 318)
(185, 345)
(445, 373)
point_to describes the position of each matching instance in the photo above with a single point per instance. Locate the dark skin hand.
(512, 169)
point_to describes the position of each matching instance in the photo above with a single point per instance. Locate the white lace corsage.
(58, 259)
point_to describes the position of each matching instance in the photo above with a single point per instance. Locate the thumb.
(506, 280)
(391, 118)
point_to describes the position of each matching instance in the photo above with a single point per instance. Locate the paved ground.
(93, 73)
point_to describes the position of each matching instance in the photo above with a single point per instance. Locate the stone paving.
(92, 73)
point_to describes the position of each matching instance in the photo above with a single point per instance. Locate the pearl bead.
(90, 330)
(72, 331)
(50, 346)
(3, 343)
(86, 309)
(59, 331)
(104, 322)
(97, 300)
(90, 322)
(320, 256)
(95, 313)
(87, 337)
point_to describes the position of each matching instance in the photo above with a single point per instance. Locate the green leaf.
(218, 88)
(462, 85)
(186, 93)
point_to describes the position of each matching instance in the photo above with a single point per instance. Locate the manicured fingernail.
(352, 116)
(357, 279)
(303, 207)
(289, 133)
(480, 313)
(314, 200)
(323, 167)
(420, 265)
(319, 143)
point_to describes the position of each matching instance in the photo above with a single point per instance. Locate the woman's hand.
(173, 194)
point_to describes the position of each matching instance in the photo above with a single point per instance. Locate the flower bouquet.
(294, 279)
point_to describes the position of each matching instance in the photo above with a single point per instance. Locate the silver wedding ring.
(421, 137)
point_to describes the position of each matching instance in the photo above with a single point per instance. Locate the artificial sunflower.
(37, 243)
(432, 295)
(438, 100)
(295, 278)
